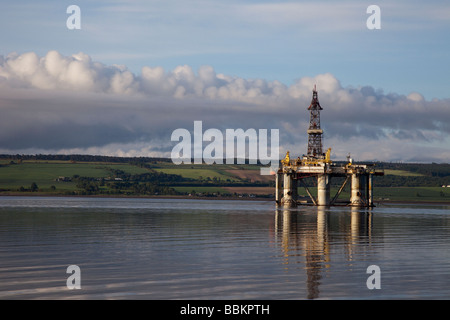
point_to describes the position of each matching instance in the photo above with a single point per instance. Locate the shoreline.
(136, 196)
(392, 201)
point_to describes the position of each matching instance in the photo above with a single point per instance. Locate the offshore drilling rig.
(317, 164)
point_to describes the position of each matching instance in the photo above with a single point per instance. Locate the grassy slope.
(44, 173)
(402, 173)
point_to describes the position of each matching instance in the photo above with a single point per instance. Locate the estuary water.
(220, 249)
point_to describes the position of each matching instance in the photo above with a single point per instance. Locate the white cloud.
(415, 96)
(72, 103)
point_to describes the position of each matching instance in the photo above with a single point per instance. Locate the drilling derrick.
(314, 131)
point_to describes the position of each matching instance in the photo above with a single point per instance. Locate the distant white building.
(63, 179)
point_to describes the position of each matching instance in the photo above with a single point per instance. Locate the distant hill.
(149, 176)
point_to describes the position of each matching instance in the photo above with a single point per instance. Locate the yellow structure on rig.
(286, 161)
(306, 161)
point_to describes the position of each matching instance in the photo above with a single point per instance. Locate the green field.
(401, 173)
(45, 174)
(205, 171)
(426, 194)
(16, 177)
(197, 174)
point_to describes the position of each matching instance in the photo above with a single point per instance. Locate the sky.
(137, 70)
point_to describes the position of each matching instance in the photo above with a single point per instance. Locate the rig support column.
(370, 190)
(294, 188)
(355, 199)
(323, 190)
(288, 199)
(278, 188)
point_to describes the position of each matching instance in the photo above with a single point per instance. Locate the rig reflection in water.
(306, 238)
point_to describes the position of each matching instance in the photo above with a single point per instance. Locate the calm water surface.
(212, 249)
